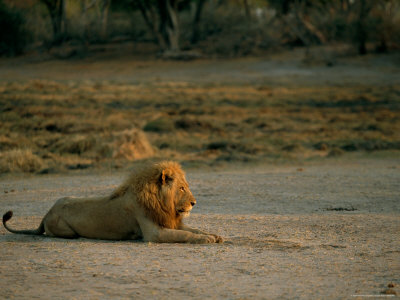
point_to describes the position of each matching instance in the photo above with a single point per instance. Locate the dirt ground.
(317, 231)
(320, 66)
(325, 227)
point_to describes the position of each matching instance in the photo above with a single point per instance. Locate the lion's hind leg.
(56, 226)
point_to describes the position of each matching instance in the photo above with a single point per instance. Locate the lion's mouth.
(184, 212)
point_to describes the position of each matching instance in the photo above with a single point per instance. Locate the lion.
(150, 205)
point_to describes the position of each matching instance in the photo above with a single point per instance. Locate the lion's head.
(161, 188)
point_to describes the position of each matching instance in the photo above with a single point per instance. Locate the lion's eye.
(182, 189)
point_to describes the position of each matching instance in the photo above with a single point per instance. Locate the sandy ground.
(286, 69)
(320, 231)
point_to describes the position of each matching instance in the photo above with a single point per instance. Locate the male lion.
(149, 205)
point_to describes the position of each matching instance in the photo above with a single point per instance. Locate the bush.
(13, 36)
(18, 160)
(77, 144)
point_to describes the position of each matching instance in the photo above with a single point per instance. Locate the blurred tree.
(104, 11)
(85, 6)
(228, 26)
(363, 7)
(196, 20)
(386, 12)
(161, 17)
(56, 10)
(102, 8)
(296, 15)
(247, 9)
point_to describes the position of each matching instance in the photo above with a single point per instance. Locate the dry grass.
(18, 160)
(94, 123)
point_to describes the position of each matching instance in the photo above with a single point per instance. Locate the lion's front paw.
(218, 239)
(206, 239)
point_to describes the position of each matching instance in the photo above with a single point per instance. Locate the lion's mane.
(158, 203)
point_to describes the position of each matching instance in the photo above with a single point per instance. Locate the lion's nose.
(193, 203)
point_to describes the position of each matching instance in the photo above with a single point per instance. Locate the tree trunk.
(84, 8)
(344, 5)
(362, 34)
(247, 10)
(152, 21)
(163, 22)
(63, 18)
(196, 21)
(172, 26)
(312, 29)
(56, 10)
(104, 9)
(285, 7)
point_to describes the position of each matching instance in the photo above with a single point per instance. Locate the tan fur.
(149, 205)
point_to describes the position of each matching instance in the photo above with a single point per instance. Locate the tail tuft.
(7, 216)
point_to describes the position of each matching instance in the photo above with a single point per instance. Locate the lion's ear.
(165, 177)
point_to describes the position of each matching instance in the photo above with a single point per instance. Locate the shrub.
(18, 160)
(77, 144)
(131, 145)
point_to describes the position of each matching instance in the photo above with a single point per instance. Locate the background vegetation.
(211, 27)
(51, 127)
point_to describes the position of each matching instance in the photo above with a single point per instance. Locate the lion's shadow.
(242, 241)
(25, 238)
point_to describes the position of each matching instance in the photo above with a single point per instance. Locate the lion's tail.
(8, 215)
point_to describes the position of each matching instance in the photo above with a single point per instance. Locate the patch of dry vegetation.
(18, 160)
(79, 125)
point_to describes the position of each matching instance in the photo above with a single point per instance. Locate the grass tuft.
(19, 160)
